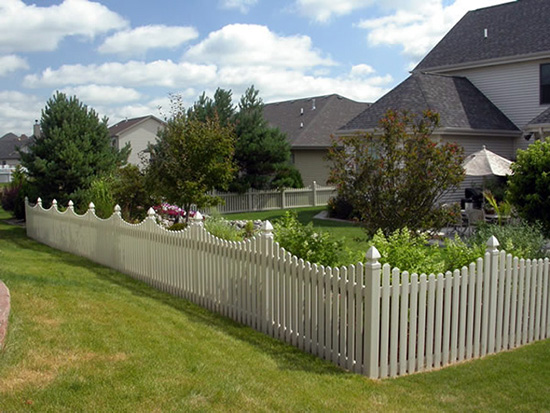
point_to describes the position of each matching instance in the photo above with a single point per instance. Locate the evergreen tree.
(262, 152)
(207, 108)
(73, 149)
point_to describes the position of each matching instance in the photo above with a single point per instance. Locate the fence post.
(371, 346)
(266, 277)
(39, 202)
(283, 200)
(71, 205)
(54, 204)
(314, 185)
(492, 245)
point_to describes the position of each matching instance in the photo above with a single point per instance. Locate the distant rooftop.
(126, 124)
(309, 122)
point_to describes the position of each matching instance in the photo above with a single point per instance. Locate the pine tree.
(73, 149)
(262, 152)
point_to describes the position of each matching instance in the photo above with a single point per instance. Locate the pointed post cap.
(492, 244)
(54, 203)
(117, 209)
(372, 255)
(151, 213)
(196, 219)
(91, 207)
(39, 201)
(267, 228)
(71, 204)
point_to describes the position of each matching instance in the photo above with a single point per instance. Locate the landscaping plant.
(395, 177)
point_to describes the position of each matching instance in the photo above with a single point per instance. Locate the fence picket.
(366, 318)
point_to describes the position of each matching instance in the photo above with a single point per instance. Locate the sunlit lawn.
(85, 338)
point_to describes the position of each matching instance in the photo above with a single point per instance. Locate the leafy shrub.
(529, 186)
(408, 251)
(309, 244)
(522, 240)
(458, 253)
(177, 227)
(12, 197)
(339, 207)
(222, 228)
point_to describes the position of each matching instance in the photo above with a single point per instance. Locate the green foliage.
(395, 177)
(408, 251)
(458, 253)
(190, 158)
(502, 209)
(312, 245)
(12, 196)
(74, 149)
(177, 226)
(522, 240)
(130, 193)
(262, 152)
(223, 229)
(100, 193)
(221, 107)
(529, 185)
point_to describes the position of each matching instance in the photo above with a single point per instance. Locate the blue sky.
(125, 57)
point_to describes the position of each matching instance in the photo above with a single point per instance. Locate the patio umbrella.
(485, 162)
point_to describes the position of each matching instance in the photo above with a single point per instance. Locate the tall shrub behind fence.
(366, 318)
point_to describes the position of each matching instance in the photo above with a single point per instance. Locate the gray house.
(309, 124)
(488, 78)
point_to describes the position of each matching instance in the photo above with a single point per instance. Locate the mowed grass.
(353, 236)
(86, 338)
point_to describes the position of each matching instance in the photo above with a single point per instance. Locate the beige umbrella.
(485, 162)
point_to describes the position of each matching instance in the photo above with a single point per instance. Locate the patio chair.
(473, 216)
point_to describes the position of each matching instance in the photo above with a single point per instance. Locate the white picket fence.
(255, 200)
(366, 318)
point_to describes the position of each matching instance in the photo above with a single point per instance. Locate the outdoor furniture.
(474, 216)
(485, 162)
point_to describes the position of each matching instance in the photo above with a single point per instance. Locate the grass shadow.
(286, 356)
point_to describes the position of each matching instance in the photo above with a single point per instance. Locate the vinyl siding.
(312, 165)
(138, 137)
(513, 88)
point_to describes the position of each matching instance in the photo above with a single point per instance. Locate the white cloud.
(242, 5)
(134, 73)
(323, 10)
(12, 63)
(95, 94)
(250, 44)
(31, 28)
(18, 111)
(417, 30)
(362, 70)
(137, 41)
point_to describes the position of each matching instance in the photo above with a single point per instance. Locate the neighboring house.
(489, 79)
(309, 124)
(9, 157)
(138, 132)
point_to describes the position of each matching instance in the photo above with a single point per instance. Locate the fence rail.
(366, 318)
(255, 200)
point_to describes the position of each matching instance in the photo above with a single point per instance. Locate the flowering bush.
(172, 213)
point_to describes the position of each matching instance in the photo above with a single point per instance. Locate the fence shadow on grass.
(285, 356)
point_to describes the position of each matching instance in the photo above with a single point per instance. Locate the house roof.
(542, 119)
(127, 124)
(459, 103)
(9, 143)
(309, 122)
(515, 31)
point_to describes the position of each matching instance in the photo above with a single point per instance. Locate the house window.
(545, 84)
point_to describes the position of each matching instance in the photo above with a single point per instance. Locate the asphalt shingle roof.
(543, 118)
(514, 30)
(459, 103)
(8, 144)
(126, 124)
(312, 127)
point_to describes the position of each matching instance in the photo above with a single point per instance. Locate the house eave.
(478, 132)
(485, 63)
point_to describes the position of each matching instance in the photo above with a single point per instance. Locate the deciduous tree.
(190, 158)
(395, 177)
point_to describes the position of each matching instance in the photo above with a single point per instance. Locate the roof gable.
(459, 103)
(513, 31)
(127, 124)
(309, 122)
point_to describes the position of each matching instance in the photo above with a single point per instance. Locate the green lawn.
(86, 338)
(354, 237)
